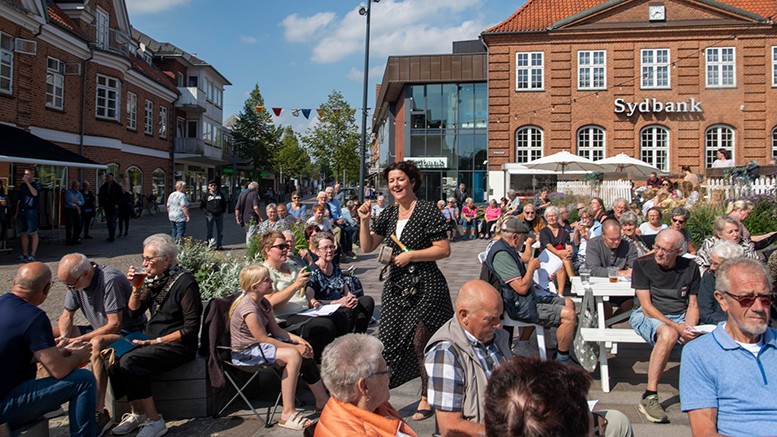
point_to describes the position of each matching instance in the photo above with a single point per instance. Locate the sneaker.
(103, 421)
(31, 259)
(153, 429)
(525, 351)
(652, 409)
(21, 258)
(129, 421)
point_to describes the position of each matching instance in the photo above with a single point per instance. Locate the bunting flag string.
(305, 111)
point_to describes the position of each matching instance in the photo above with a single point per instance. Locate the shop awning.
(21, 147)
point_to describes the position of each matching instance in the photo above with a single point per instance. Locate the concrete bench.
(609, 338)
(181, 393)
(38, 428)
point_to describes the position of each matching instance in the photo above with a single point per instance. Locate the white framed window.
(654, 146)
(108, 91)
(591, 143)
(6, 63)
(102, 29)
(132, 111)
(774, 66)
(217, 136)
(528, 144)
(148, 57)
(529, 71)
(162, 122)
(55, 83)
(655, 68)
(721, 67)
(207, 132)
(592, 69)
(716, 138)
(774, 142)
(148, 118)
(209, 89)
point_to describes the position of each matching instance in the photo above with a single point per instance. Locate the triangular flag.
(277, 111)
(259, 109)
(295, 112)
(320, 112)
(306, 113)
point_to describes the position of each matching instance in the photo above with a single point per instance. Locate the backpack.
(586, 353)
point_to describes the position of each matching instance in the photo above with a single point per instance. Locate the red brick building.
(669, 82)
(71, 74)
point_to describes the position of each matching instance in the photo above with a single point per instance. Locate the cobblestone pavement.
(628, 371)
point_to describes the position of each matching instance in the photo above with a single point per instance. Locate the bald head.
(479, 309)
(32, 282)
(668, 244)
(72, 266)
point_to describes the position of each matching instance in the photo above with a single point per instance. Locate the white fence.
(608, 191)
(720, 189)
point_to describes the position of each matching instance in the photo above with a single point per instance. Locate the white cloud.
(137, 7)
(399, 27)
(302, 29)
(248, 39)
(376, 73)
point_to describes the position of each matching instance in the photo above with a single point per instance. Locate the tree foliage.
(292, 156)
(334, 141)
(256, 138)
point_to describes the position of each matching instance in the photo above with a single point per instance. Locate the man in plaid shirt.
(461, 356)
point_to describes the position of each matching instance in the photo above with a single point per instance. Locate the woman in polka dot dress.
(416, 301)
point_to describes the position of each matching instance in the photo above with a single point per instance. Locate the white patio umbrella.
(623, 162)
(563, 162)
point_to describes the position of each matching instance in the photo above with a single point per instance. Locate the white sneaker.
(153, 429)
(129, 421)
(525, 351)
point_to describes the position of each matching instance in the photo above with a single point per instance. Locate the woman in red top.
(493, 212)
(469, 219)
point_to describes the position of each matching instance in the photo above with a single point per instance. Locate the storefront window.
(481, 105)
(418, 145)
(467, 106)
(159, 185)
(112, 168)
(418, 113)
(450, 105)
(718, 137)
(433, 145)
(449, 150)
(134, 181)
(481, 152)
(654, 146)
(528, 144)
(434, 106)
(465, 152)
(50, 176)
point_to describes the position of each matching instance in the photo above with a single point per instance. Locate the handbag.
(586, 353)
(560, 246)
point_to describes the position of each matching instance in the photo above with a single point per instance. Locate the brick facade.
(561, 109)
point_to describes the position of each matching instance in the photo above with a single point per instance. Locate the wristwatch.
(159, 339)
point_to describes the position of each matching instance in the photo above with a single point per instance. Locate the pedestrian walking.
(125, 211)
(26, 215)
(214, 206)
(178, 211)
(88, 210)
(74, 200)
(109, 197)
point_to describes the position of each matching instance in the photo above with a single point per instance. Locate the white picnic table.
(606, 336)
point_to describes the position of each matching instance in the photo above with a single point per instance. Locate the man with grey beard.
(727, 377)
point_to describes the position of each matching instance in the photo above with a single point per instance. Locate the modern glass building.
(434, 110)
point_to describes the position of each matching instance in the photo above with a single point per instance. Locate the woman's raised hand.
(364, 211)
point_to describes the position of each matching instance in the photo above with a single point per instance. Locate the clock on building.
(657, 12)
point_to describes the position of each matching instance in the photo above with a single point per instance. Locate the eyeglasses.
(388, 372)
(282, 246)
(295, 198)
(529, 213)
(326, 248)
(678, 221)
(748, 301)
(73, 285)
(148, 259)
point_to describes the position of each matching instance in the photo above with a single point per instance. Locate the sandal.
(296, 422)
(425, 414)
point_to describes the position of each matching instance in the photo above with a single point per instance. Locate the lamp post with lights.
(365, 11)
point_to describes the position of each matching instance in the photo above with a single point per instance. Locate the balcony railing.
(196, 146)
(111, 40)
(192, 98)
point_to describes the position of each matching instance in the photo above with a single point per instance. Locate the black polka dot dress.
(400, 313)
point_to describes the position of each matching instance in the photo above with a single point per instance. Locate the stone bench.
(182, 393)
(39, 428)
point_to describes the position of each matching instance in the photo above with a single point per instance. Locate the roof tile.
(59, 16)
(538, 15)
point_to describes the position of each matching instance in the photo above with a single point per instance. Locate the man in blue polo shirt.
(727, 378)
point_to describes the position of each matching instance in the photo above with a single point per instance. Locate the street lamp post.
(366, 12)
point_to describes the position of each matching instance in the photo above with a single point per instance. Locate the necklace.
(407, 211)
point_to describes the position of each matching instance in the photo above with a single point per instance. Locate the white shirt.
(175, 204)
(723, 164)
(400, 227)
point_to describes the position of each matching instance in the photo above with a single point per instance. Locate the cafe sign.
(427, 162)
(653, 105)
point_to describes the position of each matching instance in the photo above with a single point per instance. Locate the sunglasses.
(680, 221)
(748, 301)
(282, 246)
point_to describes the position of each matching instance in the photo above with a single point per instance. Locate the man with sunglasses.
(101, 293)
(666, 309)
(727, 377)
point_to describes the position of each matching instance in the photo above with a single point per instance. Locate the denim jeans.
(469, 225)
(111, 216)
(179, 230)
(253, 229)
(34, 398)
(219, 220)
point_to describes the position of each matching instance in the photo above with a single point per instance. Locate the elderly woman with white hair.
(178, 210)
(357, 376)
(729, 229)
(172, 296)
(740, 210)
(710, 312)
(556, 239)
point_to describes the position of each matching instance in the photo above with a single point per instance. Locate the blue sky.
(298, 51)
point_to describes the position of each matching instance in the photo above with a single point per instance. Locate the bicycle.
(99, 215)
(151, 205)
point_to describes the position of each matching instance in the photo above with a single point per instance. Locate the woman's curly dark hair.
(410, 169)
(528, 397)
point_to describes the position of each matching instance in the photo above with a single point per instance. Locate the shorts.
(646, 326)
(549, 310)
(259, 355)
(27, 222)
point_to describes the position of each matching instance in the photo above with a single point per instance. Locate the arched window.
(654, 146)
(718, 137)
(112, 169)
(774, 142)
(528, 144)
(134, 181)
(590, 143)
(159, 185)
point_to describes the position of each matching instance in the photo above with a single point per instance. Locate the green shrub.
(701, 220)
(216, 272)
(762, 218)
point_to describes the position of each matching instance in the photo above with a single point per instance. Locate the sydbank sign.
(653, 105)
(429, 162)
